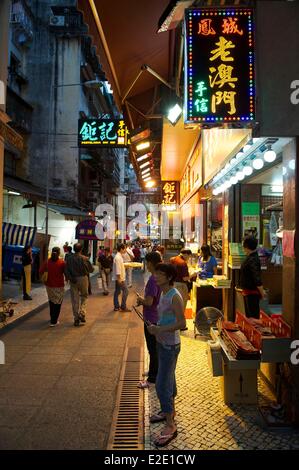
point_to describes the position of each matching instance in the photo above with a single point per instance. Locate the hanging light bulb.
(240, 175)
(246, 147)
(215, 191)
(234, 179)
(258, 163)
(239, 155)
(269, 156)
(247, 170)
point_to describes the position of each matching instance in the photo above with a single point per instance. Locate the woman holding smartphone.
(150, 314)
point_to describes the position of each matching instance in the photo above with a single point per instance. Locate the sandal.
(164, 439)
(158, 417)
(143, 384)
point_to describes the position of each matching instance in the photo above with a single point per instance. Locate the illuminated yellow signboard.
(170, 194)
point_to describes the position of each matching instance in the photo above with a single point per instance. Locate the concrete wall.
(53, 61)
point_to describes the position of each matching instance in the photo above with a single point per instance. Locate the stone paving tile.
(204, 422)
(16, 416)
(11, 380)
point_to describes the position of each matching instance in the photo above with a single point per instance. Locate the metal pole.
(48, 168)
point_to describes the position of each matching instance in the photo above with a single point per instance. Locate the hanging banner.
(103, 133)
(219, 66)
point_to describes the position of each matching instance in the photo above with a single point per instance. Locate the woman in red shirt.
(55, 283)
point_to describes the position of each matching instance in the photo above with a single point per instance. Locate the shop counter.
(207, 293)
(239, 377)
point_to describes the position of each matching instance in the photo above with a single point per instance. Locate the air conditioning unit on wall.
(57, 20)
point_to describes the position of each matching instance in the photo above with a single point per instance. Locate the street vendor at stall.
(207, 263)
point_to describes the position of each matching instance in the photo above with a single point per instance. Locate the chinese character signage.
(103, 133)
(170, 194)
(219, 66)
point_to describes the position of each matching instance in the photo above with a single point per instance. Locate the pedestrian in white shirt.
(119, 276)
(128, 257)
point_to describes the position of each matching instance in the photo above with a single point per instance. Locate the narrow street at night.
(149, 249)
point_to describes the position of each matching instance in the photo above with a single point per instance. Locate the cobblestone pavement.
(204, 422)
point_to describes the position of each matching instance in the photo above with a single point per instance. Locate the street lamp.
(87, 83)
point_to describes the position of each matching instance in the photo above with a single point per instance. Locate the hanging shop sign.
(103, 133)
(86, 230)
(170, 194)
(251, 219)
(219, 66)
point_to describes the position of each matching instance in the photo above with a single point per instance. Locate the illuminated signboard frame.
(204, 28)
(103, 133)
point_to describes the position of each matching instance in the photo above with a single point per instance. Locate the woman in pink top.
(55, 283)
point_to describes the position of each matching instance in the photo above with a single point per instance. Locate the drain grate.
(127, 428)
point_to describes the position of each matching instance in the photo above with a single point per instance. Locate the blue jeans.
(165, 381)
(118, 289)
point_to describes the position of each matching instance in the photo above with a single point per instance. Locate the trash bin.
(12, 260)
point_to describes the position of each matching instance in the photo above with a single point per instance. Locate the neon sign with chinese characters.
(219, 66)
(103, 133)
(170, 194)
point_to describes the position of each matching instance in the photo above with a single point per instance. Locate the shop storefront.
(252, 187)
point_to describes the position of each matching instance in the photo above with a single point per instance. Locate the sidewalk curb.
(24, 317)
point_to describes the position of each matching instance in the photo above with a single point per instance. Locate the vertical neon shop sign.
(219, 66)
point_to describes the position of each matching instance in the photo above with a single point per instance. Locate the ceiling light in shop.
(143, 146)
(147, 178)
(255, 139)
(145, 164)
(284, 171)
(246, 147)
(269, 156)
(292, 164)
(247, 170)
(239, 155)
(240, 175)
(234, 180)
(143, 157)
(258, 163)
(150, 184)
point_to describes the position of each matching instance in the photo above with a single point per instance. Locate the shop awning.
(177, 144)
(13, 234)
(68, 210)
(125, 35)
(23, 187)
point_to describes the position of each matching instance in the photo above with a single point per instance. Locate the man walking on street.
(105, 266)
(119, 276)
(77, 271)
